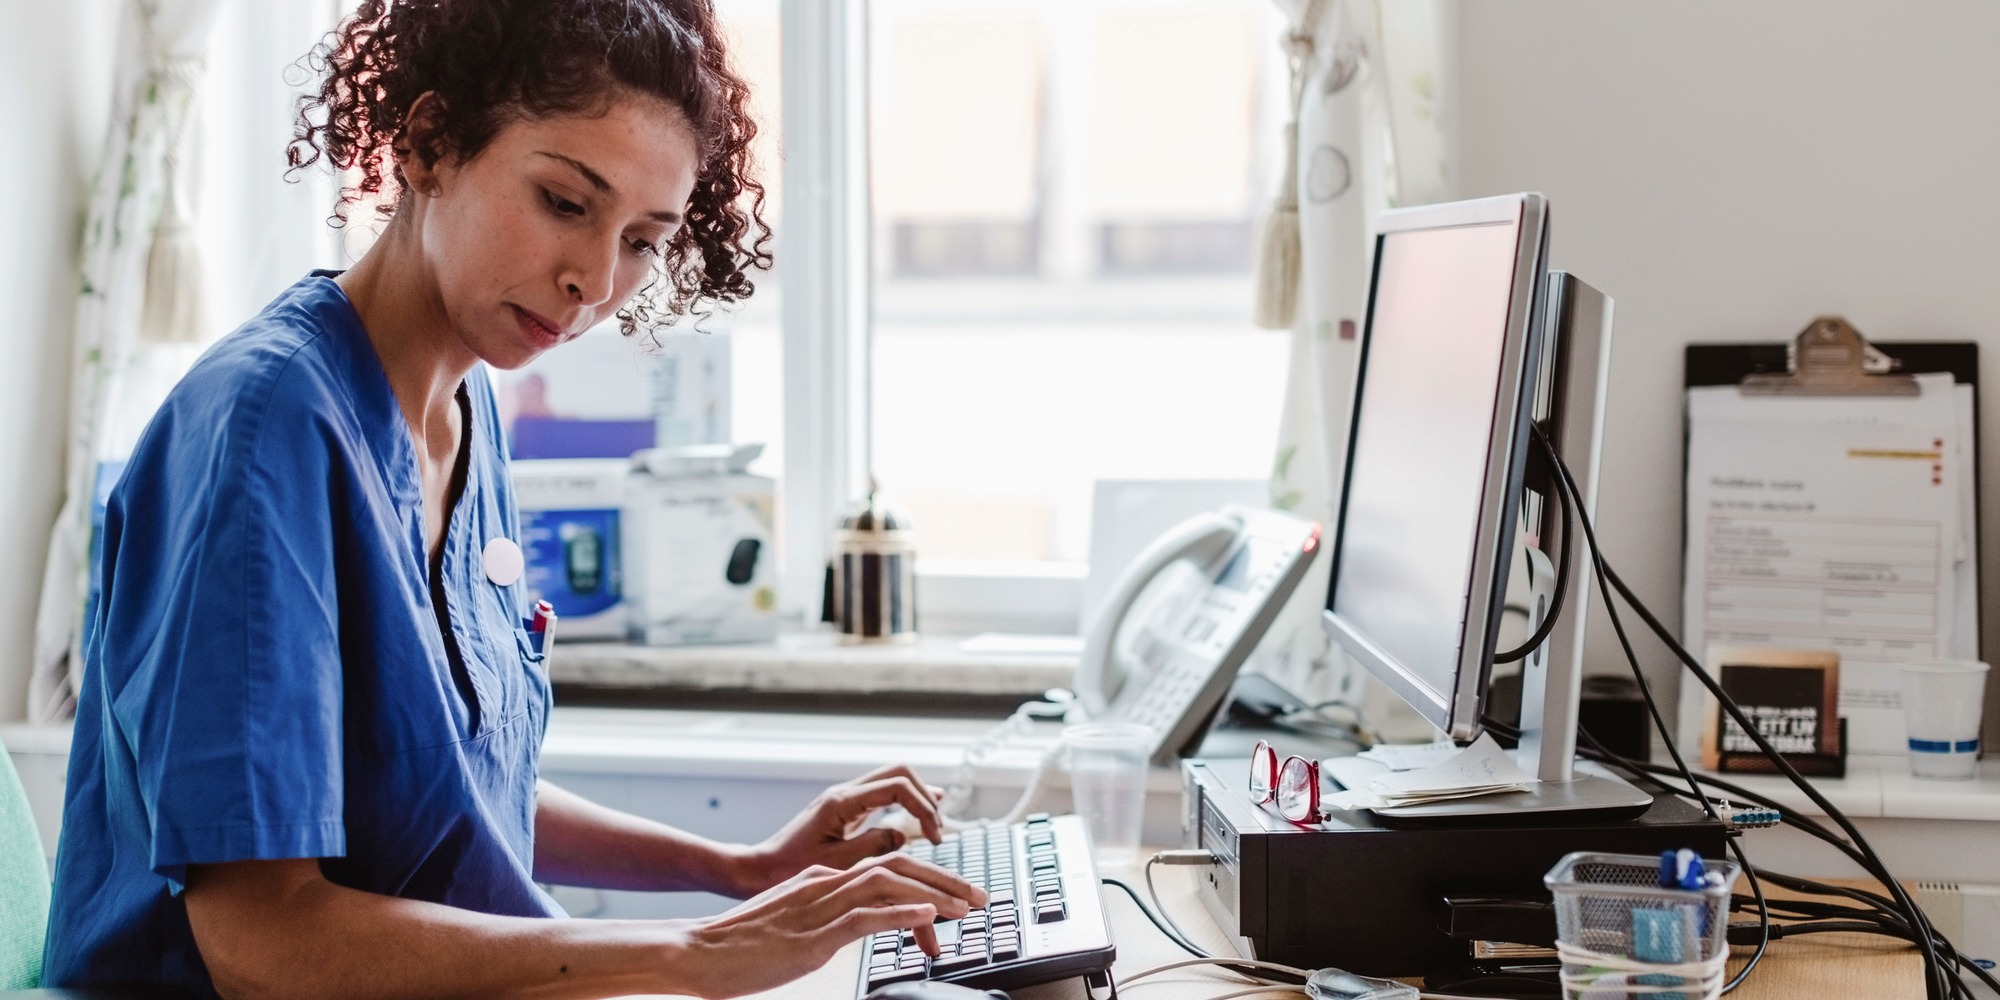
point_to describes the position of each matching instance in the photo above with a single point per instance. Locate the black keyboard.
(1043, 919)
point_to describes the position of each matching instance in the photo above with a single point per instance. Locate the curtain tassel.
(174, 312)
(1278, 250)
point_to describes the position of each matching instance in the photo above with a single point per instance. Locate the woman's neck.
(396, 295)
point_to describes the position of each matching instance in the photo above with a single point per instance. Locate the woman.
(304, 761)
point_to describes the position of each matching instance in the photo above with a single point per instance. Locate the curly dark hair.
(489, 62)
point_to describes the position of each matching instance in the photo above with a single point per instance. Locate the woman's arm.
(280, 929)
(578, 842)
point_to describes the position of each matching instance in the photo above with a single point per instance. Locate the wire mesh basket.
(1623, 937)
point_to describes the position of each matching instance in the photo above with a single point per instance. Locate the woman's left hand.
(831, 831)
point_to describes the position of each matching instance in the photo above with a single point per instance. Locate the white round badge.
(504, 561)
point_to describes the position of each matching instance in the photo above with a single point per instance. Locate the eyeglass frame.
(1269, 795)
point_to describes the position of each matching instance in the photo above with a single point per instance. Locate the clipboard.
(1827, 370)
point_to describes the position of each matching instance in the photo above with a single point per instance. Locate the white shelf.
(816, 663)
(1882, 787)
(828, 747)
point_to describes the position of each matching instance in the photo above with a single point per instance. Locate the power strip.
(1968, 916)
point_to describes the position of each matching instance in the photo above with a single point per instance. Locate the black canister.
(871, 582)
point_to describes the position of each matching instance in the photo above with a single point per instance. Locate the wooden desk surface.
(1819, 967)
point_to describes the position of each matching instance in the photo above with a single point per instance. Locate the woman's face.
(554, 225)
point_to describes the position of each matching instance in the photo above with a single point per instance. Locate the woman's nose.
(590, 283)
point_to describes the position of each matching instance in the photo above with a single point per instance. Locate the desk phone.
(1182, 619)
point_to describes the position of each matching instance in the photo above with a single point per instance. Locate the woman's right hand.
(797, 925)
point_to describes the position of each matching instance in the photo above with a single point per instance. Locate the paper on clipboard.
(1840, 523)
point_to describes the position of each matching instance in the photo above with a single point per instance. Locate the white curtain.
(161, 66)
(1373, 121)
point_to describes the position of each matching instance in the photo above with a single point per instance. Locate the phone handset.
(1201, 539)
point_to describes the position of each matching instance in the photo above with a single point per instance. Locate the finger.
(926, 935)
(936, 792)
(916, 917)
(899, 791)
(933, 792)
(866, 844)
(888, 771)
(878, 886)
(934, 876)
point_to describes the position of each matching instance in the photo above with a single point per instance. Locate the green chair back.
(24, 885)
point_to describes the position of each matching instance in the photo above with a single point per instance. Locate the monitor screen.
(1418, 465)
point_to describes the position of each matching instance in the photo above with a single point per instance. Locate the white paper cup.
(1941, 703)
(1107, 781)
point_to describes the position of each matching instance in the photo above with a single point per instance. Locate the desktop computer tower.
(1358, 894)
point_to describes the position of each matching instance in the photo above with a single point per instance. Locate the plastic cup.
(1107, 781)
(1941, 703)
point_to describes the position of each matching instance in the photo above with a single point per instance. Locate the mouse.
(933, 991)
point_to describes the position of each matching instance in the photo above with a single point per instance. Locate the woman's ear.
(418, 150)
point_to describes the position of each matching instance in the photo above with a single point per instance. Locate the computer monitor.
(1468, 340)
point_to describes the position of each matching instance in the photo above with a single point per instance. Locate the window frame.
(824, 307)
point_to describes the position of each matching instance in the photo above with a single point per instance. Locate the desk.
(1820, 967)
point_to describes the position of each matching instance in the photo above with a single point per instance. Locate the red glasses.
(1293, 785)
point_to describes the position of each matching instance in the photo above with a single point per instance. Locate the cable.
(1934, 972)
(1295, 991)
(1228, 963)
(1561, 594)
(1861, 851)
(1574, 504)
(1763, 918)
(1153, 893)
(1883, 916)
(1883, 912)
(1157, 914)
(1170, 933)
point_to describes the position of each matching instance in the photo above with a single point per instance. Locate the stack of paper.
(1409, 756)
(1480, 769)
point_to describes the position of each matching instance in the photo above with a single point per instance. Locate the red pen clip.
(540, 620)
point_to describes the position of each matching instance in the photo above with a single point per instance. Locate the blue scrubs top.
(266, 676)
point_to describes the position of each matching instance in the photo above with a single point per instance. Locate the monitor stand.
(1552, 677)
(1550, 693)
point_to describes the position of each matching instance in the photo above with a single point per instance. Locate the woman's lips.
(538, 328)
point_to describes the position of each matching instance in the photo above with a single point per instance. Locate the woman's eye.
(561, 205)
(644, 247)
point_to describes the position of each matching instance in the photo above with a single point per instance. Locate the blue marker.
(1681, 869)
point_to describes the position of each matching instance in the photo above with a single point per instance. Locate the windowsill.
(814, 663)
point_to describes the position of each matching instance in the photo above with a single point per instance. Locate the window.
(1064, 200)
(1015, 257)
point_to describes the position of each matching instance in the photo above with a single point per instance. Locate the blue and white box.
(571, 514)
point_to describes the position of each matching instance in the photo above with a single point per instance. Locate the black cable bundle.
(1896, 915)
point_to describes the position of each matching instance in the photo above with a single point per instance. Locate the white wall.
(54, 58)
(1728, 171)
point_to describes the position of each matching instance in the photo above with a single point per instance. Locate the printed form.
(1823, 522)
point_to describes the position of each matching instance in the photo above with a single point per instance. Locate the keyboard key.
(888, 976)
(956, 963)
(1047, 913)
